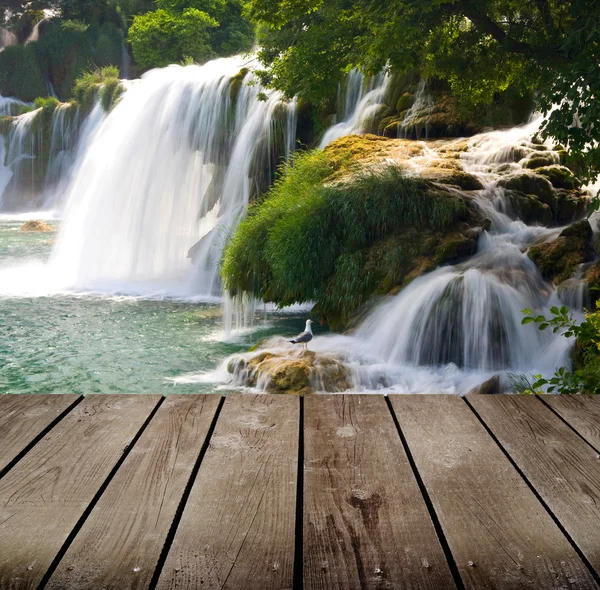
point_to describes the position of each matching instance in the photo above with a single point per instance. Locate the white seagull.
(304, 337)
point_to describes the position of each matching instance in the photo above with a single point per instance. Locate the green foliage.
(20, 74)
(480, 48)
(103, 81)
(65, 52)
(161, 37)
(108, 46)
(585, 377)
(48, 104)
(306, 241)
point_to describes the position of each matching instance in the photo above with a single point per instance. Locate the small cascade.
(35, 32)
(204, 148)
(39, 152)
(415, 121)
(7, 38)
(363, 98)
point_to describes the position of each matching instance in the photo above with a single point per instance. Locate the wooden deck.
(278, 492)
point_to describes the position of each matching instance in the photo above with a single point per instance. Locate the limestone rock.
(36, 226)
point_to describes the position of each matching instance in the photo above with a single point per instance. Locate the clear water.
(83, 343)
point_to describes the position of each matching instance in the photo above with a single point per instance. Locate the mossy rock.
(569, 206)
(559, 176)
(530, 184)
(455, 248)
(283, 370)
(539, 161)
(405, 102)
(528, 208)
(558, 259)
(450, 175)
(236, 84)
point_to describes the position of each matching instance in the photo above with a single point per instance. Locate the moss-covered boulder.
(539, 160)
(528, 208)
(276, 367)
(559, 176)
(529, 184)
(566, 205)
(559, 259)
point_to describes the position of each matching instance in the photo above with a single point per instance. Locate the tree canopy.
(480, 47)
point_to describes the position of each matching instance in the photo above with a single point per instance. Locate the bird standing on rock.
(304, 337)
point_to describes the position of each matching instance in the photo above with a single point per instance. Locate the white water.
(132, 223)
(362, 100)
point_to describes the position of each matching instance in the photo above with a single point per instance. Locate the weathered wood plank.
(42, 500)
(366, 524)
(562, 468)
(499, 533)
(24, 417)
(237, 529)
(120, 543)
(582, 412)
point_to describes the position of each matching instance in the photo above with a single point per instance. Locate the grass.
(310, 240)
(103, 82)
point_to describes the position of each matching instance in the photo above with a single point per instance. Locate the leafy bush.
(585, 377)
(312, 241)
(161, 37)
(20, 73)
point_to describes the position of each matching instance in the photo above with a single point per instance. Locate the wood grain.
(582, 412)
(120, 543)
(24, 417)
(499, 533)
(237, 529)
(366, 524)
(562, 468)
(42, 500)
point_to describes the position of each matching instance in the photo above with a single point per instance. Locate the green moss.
(101, 81)
(312, 239)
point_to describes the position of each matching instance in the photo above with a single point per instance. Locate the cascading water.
(38, 155)
(203, 147)
(363, 97)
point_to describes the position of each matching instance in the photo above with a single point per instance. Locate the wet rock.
(36, 226)
(455, 248)
(456, 177)
(528, 208)
(530, 184)
(490, 386)
(559, 176)
(280, 369)
(558, 259)
(538, 160)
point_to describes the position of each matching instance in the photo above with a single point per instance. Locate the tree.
(161, 37)
(480, 47)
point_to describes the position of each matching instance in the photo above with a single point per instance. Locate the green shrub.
(160, 38)
(20, 73)
(310, 240)
(101, 81)
(585, 377)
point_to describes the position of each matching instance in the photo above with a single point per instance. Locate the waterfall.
(363, 98)
(7, 38)
(422, 107)
(203, 145)
(37, 154)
